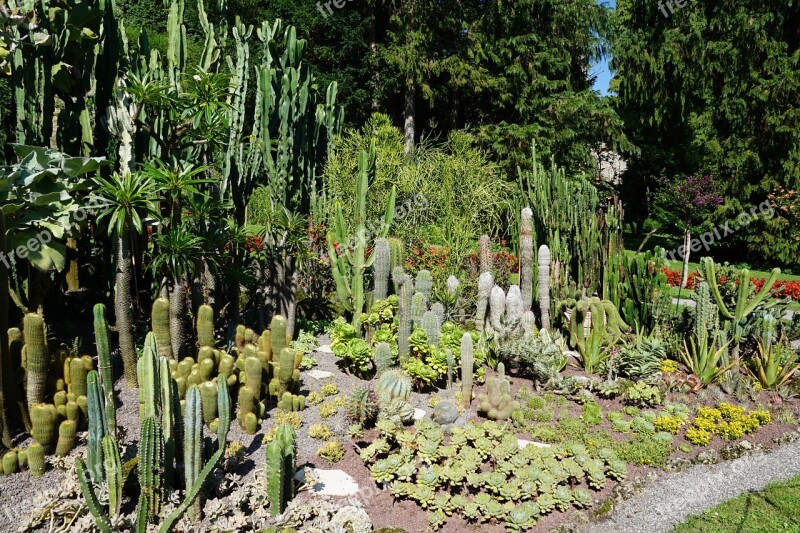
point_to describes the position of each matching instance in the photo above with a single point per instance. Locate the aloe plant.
(774, 365)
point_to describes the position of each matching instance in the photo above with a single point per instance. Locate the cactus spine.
(467, 368)
(161, 327)
(544, 285)
(36, 358)
(104, 365)
(281, 469)
(205, 326)
(278, 335)
(382, 265)
(526, 258)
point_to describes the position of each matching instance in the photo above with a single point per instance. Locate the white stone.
(325, 348)
(318, 374)
(329, 482)
(524, 443)
(419, 414)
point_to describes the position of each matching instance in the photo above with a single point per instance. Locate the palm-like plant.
(178, 258)
(128, 201)
(177, 180)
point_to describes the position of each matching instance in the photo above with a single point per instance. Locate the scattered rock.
(524, 443)
(325, 348)
(419, 414)
(329, 482)
(679, 464)
(351, 518)
(789, 436)
(318, 374)
(445, 412)
(707, 457)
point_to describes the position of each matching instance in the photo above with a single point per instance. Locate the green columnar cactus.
(383, 357)
(398, 275)
(706, 322)
(36, 358)
(104, 365)
(151, 465)
(404, 318)
(424, 284)
(544, 285)
(208, 395)
(98, 428)
(95, 507)
(349, 263)
(382, 265)
(252, 374)
(147, 374)
(161, 328)
(286, 372)
(113, 474)
(36, 462)
(485, 285)
(737, 316)
(362, 405)
(497, 403)
(192, 439)
(526, 257)
(205, 326)
(170, 413)
(278, 335)
(396, 252)
(78, 371)
(66, 437)
(497, 309)
(292, 402)
(418, 307)
(485, 244)
(430, 323)
(44, 418)
(467, 368)
(281, 469)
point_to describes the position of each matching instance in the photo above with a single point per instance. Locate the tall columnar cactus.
(514, 306)
(67, 432)
(438, 309)
(37, 358)
(404, 318)
(44, 419)
(287, 376)
(36, 462)
(192, 439)
(706, 322)
(497, 403)
(430, 323)
(280, 469)
(467, 368)
(104, 365)
(205, 326)
(485, 254)
(424, 284)
(381, 268)
(544, 285)
(347, 246)
(278, 334)
(485, 285)
(147, 372)
(161, 327)
(526, 257)
(419, 305)
(396, 252)
(98, 427)
(170, 415)
(151, 468)
(497, 309)
(737, 316)
(383, 357)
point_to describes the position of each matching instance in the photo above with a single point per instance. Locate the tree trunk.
(687, 238)
(410, 113)
(73, 279)
(123, 308)
(373, 46)
(7, 385)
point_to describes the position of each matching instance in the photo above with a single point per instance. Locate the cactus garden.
(275, 267)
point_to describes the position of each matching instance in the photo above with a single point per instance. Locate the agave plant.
(705, 359)
(774, 364)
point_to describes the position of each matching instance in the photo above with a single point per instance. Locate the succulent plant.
(362, 405)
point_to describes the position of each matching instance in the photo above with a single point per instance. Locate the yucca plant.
(774, 365)
(705, 360)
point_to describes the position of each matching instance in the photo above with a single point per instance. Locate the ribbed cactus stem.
(93, 502)
(151, 460)
(161, 327)
(544, 285)
(514, 305)
(67, 432)
(44, 418)
(278, 334)
(526, 257)
(286, 371)
(170, 415)
(101, 340)
(280, 469)
(192, 439)
(485, 285)
(396, 253)
(467, 368)
(419, 304)
(424, 284)
(113, 470)
(497, 308)
(36, 358)
(205, 326)
(381, 267)
(147, 373)
(430, 323)
(98, 427)
(485, 244)
(404, 318)
(383, 357)
(36, 462)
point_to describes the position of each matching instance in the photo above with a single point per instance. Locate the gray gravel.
(670, 500)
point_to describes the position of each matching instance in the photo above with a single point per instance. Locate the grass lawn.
(776, 508)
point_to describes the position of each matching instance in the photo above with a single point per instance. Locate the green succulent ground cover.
(776, 508)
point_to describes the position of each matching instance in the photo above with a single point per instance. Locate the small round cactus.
(362, 405)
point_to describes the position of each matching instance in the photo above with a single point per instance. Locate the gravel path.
(670, 500)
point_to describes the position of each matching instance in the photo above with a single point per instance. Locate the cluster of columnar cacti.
(592, 315)
(497, 403)
(347, 245)
(281, 458)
